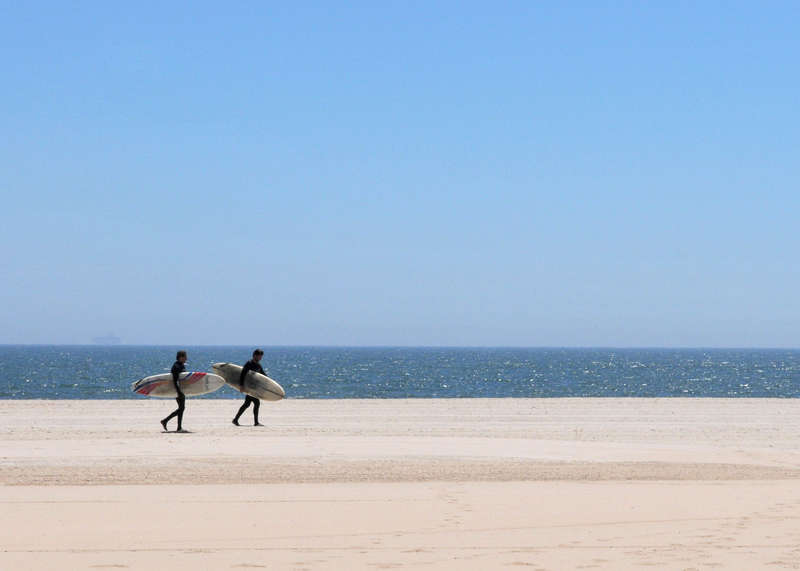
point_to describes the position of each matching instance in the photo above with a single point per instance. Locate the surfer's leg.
(256, 406)
(173, 414)
(181, 405)
(241, 410)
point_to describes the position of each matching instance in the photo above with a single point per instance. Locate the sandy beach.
(379, 484)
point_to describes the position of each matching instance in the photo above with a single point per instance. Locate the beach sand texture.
(417, 484)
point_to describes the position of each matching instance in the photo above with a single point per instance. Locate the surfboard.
(192, 383)
(255, 384)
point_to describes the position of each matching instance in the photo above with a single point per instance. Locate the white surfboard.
(192, 383)
(255, 384)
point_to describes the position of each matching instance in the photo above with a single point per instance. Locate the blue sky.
(401, 173)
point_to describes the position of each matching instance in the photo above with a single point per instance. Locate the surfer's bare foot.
(257, 424)
(164, 424)
(236, 422)
(182, 430)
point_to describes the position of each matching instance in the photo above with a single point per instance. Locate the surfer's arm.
(243, 374)
(175, 375)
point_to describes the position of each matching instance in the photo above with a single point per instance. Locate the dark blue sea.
(106, 372)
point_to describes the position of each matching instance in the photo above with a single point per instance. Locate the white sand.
(429, 484)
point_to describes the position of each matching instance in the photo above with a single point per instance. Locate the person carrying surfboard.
(177, 369)
(252, 365)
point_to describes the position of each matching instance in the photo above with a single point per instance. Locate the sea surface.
(106, 372)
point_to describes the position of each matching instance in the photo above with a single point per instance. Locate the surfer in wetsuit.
(252, 365)
(177, 369)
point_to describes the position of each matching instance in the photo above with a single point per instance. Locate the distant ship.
(107, 340)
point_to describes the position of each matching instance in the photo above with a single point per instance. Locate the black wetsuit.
(249, 366)
(177, 369)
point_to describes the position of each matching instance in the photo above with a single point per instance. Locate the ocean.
(106, 372)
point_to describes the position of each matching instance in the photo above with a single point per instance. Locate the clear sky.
(401, 173)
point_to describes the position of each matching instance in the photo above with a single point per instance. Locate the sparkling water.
(98, 372)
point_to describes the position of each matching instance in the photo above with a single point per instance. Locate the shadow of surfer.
(252, 365)
(177, 368)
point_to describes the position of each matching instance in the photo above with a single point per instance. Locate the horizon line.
(324, 346)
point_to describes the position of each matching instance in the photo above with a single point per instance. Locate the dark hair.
(258, 352)
(180, 354)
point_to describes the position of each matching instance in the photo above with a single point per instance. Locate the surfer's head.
(180, 355)
(257, 354)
